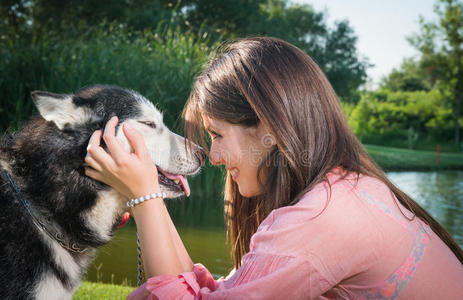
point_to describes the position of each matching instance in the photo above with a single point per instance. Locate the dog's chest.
(49, 285)
(51, 288)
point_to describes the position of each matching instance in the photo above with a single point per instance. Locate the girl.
(310, 214)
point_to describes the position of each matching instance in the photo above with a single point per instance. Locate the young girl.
(310, 214)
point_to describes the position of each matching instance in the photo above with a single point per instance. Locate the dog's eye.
(148, 123)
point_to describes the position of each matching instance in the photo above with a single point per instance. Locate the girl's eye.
(214, 135)
(148, 123)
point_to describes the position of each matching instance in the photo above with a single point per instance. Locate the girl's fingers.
(136, 140)
(94, 174)
(95, 143)
(101, 157)
(109, 136)
(92, 163)
(95, 138)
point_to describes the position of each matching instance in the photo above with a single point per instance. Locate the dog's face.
(94, 106)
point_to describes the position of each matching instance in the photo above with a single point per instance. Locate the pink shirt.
(360, 247)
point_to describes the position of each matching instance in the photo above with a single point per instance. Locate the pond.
(440, 193)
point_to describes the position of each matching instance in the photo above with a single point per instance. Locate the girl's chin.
(247, 193)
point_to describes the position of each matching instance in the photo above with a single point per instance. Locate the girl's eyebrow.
(210, 129)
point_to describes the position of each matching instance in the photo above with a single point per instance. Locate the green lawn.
(93, 291)
(398, 159)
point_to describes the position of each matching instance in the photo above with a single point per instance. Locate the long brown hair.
(268, 80)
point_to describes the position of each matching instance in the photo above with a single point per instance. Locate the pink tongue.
(182, 179)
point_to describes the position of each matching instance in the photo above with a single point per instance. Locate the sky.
(381, 26)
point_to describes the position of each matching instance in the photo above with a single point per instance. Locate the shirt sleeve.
(261, 276)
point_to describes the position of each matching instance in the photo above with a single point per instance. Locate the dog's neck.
(44, 222)
(55, 183)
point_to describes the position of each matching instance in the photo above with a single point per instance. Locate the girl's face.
(241, 150)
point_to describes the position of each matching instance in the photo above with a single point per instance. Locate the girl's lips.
(234, 173)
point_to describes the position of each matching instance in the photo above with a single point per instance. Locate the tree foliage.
(334, 49)
(441, 46)
(409, 77)
(390, 118)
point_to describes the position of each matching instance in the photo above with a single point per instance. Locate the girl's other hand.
(131, 174)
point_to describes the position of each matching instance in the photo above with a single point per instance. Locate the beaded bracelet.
(142, 199)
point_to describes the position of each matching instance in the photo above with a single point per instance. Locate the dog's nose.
(201, 155)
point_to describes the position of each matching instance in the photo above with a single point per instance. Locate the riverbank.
(93, 290)
(399, 159)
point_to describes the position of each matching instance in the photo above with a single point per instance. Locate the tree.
(334, 49)
(14, 13)
(342, 64)
(409, 77)
(441, 47)
(139, 15)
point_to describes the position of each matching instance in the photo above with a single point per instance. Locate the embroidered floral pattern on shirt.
(391, 288)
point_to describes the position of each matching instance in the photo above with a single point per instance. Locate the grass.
(92, 290)
(398, 159)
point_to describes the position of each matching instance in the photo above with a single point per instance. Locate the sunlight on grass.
(92, 290)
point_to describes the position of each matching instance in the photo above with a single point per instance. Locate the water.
(440, 193)
(117, 262)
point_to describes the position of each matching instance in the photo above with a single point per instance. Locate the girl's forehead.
(206, 121)
(209, 122)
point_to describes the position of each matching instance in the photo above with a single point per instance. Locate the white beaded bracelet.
(142, 199)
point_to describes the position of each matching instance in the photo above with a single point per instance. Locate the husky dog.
(52, 216)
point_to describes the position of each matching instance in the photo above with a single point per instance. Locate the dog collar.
(43, 221)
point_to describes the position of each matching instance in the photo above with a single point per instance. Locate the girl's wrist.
(146, 208)
(144, 195)
(136, 201)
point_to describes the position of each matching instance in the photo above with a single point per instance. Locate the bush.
(387, 118)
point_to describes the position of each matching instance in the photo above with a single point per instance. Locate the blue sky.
(381, 27)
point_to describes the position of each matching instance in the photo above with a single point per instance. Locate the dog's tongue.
(182, 179)
(124, 219)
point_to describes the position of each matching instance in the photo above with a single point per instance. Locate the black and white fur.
(46, 161)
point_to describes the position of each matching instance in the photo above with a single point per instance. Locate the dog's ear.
(60, 109)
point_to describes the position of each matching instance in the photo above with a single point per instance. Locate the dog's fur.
(46, 161)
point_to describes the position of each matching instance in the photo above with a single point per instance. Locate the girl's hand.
(131, 174)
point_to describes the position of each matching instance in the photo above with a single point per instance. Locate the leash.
(140, 275)
(42, 222)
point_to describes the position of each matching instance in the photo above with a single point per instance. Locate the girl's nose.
(215, 157)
